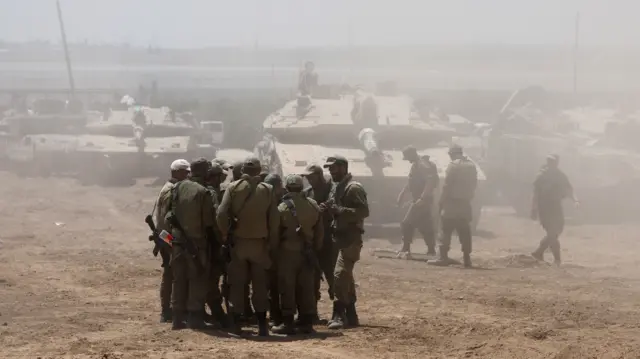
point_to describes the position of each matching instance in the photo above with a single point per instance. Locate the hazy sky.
(198, 23)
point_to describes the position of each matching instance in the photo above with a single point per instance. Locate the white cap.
(180, 164)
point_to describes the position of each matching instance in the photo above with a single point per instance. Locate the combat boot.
(340, 319)
(538, 255)
(219, 316)
(352, 315)
(234, 324)
(196, 321)
(334, 314)
(443, 261)
(166, 315)
(467, 260)
(263, 328)
(177, 320)
(306, 323)
(286, 327)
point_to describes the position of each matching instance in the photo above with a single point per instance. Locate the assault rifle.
(158, 243)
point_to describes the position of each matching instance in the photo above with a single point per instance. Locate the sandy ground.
(77, 279)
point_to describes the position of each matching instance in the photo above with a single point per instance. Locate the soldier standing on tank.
(191, 218)
(275, 314)
(320, 189)
(460, 182)
(300, 229)
(550, 187)
(422, 183)
(250, 205)
(349, 207)
(179, 171)
(308, 79)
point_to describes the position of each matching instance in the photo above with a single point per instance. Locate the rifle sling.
(244, 203)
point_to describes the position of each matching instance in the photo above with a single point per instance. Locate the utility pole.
(575, 53)
(72, 85)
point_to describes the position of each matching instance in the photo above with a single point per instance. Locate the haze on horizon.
(291, 23)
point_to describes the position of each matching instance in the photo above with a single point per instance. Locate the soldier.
(550, 187)
(308, 79)
(275, 314)
(458, 190)
(215, 176)
(191, 219)
(236, 170)
(249, 204)
(349, 207)
(179, 172)
(264, 172)
(301, 232)
(421, 185)
(320, 189)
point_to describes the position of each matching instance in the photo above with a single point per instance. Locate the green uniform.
(214, 298)
(167, 274)
(326, 255)
(252, 204)
(550, 187)
(419, 214)
(192, 206)
(295, 274)
(459, 187)
(348, 227)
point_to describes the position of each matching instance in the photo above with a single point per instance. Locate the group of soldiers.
(259, 236)
(263, 244)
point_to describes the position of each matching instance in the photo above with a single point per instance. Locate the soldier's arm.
(159, 215)
(318, 228)
(222, 216)
(355, 205)
(430, 185)
(569, 188)
(447, 187)
(209, 216)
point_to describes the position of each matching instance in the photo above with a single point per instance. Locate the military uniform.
(419, 214)
(300, 230)
(191, 206)
(350, 209)
(167, 274)
(550, 187)
(275, 312)
(251, 203)
(327, 256)
(459, 187)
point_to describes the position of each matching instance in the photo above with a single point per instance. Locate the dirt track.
(77, 279)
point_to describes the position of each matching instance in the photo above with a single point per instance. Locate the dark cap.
(215, 169)
(311, 169)
(294, 181)
(251, 162)
(335, 160)
(274, 180)
(553, 157)
(200, 166)
(455, 149)
(409, 151)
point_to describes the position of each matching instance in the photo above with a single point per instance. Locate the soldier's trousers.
(295, 281)
(214, 297)
(190, 288)
(166, 285)
(327, 258)
(274, 294)
(462, 226)
(553, 223)
(249, 262)
(419, 217)
(344, 285)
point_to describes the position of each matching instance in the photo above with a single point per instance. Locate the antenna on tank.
(67, 59)
(575, 53)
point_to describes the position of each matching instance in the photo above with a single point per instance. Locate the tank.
(143, 141)
(604, 177)
(370, 131)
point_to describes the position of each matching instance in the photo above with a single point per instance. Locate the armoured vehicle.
(604, 177)
(370, 131)
(144, 141)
